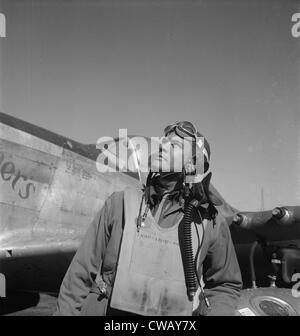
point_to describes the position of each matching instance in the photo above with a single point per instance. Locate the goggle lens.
(182, 128)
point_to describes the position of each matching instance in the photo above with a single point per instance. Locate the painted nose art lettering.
(9, 173)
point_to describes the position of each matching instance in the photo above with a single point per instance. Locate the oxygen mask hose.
(188, 260)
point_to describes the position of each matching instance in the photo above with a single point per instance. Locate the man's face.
(174, 153)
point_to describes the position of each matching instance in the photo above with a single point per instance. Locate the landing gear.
(273, 300)
(268, 302)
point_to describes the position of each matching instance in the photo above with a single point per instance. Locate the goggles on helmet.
(182, 129)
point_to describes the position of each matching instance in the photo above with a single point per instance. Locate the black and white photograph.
(149, 160)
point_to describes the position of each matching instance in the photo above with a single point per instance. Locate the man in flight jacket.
(89, 282)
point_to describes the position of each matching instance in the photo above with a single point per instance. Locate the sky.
(85, 69)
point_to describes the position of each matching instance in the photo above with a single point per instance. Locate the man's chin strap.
(158, 184)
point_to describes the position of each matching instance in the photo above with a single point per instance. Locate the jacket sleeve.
(85, 264)
(221, 274)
